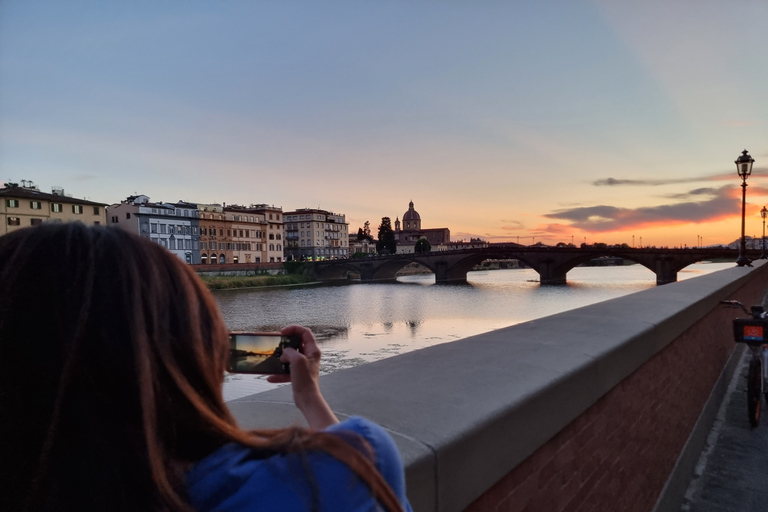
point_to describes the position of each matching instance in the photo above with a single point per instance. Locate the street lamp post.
(743, 169)
(763, 214)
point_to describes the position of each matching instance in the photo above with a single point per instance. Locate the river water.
(361, 322)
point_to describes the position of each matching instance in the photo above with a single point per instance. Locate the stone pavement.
(732, 473)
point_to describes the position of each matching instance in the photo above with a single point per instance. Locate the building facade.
(175, 226)
(411, 231)
(275, 241)
(214, 239)
(25, 205)
(363, 246)
(314, 235)
(240, 234)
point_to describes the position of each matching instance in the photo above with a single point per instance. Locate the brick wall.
(618, 454)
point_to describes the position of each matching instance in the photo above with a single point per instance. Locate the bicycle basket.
(750, 331)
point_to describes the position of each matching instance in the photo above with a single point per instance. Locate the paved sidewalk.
(732, 473)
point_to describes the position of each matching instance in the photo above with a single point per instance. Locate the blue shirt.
(231, 479)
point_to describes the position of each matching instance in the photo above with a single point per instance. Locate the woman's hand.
(304, 378)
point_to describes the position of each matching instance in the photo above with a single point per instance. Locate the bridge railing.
(591, 406)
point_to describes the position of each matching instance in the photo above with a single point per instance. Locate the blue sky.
(498, 119)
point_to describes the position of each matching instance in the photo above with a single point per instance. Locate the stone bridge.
(552, 263)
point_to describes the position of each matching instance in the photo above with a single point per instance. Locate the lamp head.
(764, 212)
(744, 165)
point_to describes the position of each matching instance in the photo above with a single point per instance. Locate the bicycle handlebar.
(757, 312)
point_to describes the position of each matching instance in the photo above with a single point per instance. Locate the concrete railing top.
(465, 413)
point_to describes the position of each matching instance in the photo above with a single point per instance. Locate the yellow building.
(313, 234)
(24, 206)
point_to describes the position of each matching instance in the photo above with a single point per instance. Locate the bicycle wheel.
(754, 378)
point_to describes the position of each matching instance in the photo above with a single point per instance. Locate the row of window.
(328, 243)
(245, 218)
(181, 244)
(242, 233)
(55, 207)
(16, 221)
(326, 252)
(242, 218)
(317, 225)
(221, 259)
(229, 246)
(177, 213)
(237, 246)
(171, 229)
(303, 217)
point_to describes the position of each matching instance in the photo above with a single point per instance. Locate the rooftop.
(15, 191)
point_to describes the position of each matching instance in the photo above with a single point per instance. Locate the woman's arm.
(304, 378)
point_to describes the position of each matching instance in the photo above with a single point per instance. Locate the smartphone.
(259, 352)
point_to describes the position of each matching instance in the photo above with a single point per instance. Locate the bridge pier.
(666, 272)
(550, 274)
(442, 274)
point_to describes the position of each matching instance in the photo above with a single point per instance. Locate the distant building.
(474, 243)
(275, 245)
(363, 246)
(257, 233)
(215, 235)
(175, 226)
(314, 234)
(25, 205)
(411, 232)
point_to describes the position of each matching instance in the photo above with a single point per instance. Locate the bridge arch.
(387, 270)
(336, 270)
(458, 271)
(375, 269)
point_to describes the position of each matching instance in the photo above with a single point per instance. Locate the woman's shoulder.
(386, 454)
(234, 476)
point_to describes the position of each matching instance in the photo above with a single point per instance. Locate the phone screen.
(259, 352)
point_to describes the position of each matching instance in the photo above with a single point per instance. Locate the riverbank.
(234, 282)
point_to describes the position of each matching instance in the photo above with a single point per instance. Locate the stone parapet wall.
(584, 410)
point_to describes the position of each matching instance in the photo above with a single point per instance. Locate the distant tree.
(422, 246)
(386, 240)
(364, 233)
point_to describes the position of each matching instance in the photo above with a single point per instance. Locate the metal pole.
(762, 256)
(742, 259)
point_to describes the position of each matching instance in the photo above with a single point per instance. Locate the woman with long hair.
(112, 358)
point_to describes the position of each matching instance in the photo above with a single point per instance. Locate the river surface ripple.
(362, 322)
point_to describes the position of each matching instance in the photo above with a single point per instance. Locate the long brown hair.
(112, 355)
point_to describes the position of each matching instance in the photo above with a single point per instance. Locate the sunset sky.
(547, 121)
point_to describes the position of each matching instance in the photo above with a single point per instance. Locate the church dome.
(411, 214)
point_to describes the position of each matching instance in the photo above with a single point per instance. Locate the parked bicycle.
(754, 333)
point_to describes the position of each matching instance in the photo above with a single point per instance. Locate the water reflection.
(363, 322)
